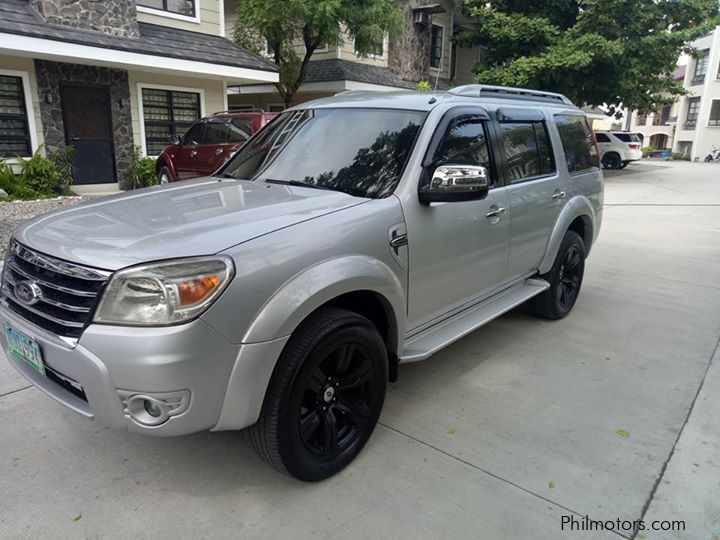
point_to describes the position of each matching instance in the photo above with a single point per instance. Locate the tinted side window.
(577, 141)
(240, 130)
(627, 137)
(194, 135)
(601, 137)
(216, 133)
(527, 150)
(465, 143)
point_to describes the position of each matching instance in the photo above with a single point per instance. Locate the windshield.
(357, 151)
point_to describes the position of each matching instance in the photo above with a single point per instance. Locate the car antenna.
(437, 79)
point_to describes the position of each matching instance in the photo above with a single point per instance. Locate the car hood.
(198, 217)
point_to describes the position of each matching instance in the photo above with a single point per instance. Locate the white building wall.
(703, 137)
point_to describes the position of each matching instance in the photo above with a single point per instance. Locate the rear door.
(535, 188)
(603, 142)
(186, 159)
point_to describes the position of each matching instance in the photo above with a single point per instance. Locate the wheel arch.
(577, 215)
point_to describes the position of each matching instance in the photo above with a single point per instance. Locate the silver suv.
(352, 234)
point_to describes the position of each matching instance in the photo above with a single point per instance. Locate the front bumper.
(111, 362)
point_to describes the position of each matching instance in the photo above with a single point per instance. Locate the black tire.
(325, 396)
(708, 158)
(611, 160)
(164, 176)
(565, 278)
(624, 164)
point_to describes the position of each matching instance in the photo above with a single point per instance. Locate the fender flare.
(323, 282)
(164, 162)
(577, 207)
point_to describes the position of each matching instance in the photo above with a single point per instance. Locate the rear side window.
(216, 133)
(601, 137)
(627, 137)
(527, 150)
(465, 143)
(240, 130)
(577, 141)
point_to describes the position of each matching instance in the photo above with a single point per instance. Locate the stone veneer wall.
(114, 17)
(409, 53)
(50, 74)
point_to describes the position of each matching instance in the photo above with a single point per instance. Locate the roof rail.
(508, 92)
(241, 110)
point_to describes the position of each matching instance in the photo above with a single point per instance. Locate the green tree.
(294, 29)
(594, 51)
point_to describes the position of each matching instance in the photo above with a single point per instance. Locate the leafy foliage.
(594, 51)
(142, 170)
(295, 29)
(62, 158)
(424, 86)
(40, 174)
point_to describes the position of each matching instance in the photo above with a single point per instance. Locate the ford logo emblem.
(28, 292)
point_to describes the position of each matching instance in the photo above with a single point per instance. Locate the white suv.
(618, 148)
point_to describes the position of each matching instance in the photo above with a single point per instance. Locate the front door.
(88, 129)
(458, 251)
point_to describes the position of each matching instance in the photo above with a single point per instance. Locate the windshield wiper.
(297, 184)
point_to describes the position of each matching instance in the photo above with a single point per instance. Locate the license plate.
(24, 348)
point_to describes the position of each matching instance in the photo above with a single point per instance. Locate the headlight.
(164, 293)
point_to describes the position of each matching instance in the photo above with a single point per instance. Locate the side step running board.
(441, 335)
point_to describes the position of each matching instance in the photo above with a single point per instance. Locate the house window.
(14, 124)
(641, 120)
(701, 65)
(715, 114)
(167, 113)
(436, 46)
(178, 7)
(692, 113)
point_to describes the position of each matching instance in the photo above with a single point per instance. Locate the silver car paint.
(294, 249)
(198, 217)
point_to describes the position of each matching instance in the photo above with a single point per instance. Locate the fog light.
(156, 408)
(153, 409)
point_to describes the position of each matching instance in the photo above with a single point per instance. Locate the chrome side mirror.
(454, 183)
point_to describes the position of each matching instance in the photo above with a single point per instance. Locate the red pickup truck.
(208, 143)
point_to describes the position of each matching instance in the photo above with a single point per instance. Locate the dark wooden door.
(88, 129)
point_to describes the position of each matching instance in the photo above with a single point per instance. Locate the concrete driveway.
(611, 413)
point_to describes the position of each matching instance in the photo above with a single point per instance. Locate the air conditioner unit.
(421, 18)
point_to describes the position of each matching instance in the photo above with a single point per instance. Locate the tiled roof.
(18, 17)
(344, 70)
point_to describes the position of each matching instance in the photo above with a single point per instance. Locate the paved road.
(611, 413)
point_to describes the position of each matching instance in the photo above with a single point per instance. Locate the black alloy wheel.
(325, 396)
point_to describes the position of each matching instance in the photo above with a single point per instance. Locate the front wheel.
(708, 158)
(325, 396)
(565, 278)
(164, 176)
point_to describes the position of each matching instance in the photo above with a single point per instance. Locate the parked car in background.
(208, 144)
(618, 148)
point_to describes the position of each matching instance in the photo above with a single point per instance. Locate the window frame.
(716, 120)
(195, 18)
(704, 61)
(687, 124)
(501, 148)
(441, 130)
(141, 107)
(24, 77)
(442, 46)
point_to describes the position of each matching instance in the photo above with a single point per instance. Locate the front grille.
(68, 292)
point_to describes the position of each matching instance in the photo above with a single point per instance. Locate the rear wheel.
(611, 160)
(624, 164)
(325, 396)
(164, 176)
(565, 278)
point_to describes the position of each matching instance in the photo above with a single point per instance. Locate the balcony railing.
(698, 79)
(690, 125)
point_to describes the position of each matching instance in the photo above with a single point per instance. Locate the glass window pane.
(216, 133)
(715, 113)
(577, 141)
(465, 143)
(181, 7)
(14, 129)
(240, 130)
(527, 150)
(602, 138)
(194, 135)
(155, 4)
(167, 113)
